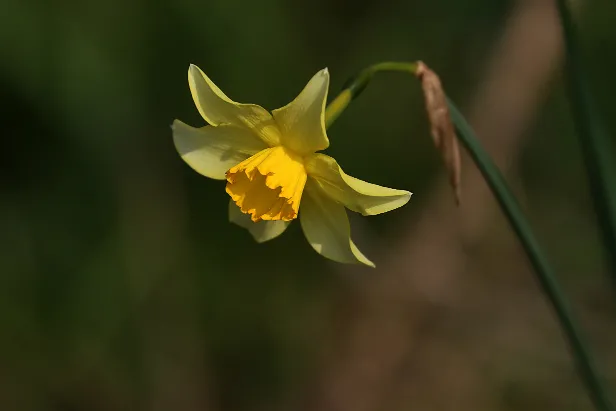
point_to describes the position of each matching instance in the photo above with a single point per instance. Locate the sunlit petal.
(211, 151)
(302, 122)
(357, 195)
(327, 229)
(216, 108)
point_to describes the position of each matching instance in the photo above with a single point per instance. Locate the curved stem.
(355, 85)
(509, 205)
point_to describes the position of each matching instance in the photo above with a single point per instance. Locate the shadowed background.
(124, 287)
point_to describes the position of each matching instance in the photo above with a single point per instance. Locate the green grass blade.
(542, 269)
(595, 147)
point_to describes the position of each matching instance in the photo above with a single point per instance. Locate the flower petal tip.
(407, 197)
(193, 71)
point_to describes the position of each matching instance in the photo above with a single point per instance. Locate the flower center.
(268, 185)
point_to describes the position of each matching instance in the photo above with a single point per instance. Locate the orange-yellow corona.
(271, 164)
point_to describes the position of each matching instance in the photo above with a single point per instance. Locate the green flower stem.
(355, 85)
(508, 203)
(595, 147)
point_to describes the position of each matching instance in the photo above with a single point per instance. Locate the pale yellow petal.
(261, 231)
(326, 227)
(212, 151)
(302, 122)
(355, 194)
(216, 108)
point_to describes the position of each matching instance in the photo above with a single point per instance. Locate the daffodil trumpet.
(272, 165)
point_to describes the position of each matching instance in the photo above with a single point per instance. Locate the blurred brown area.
(123, 286)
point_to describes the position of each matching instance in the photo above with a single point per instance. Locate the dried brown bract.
(441, 127)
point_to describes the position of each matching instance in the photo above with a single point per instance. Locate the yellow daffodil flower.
(271, 165)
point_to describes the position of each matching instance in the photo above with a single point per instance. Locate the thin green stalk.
(594, 144)
(355, 85)
(544, 274)
(508, 203)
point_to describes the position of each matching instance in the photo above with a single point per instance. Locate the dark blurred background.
(124, 287)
